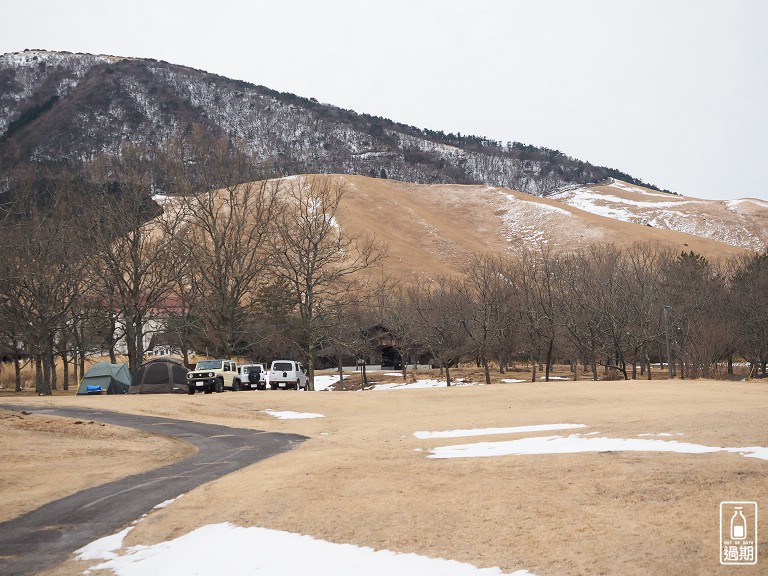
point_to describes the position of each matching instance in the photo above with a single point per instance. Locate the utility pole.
(669, 348)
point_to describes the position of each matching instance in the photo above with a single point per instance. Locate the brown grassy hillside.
(435, 228)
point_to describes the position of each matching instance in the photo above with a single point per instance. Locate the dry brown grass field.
(362, 477)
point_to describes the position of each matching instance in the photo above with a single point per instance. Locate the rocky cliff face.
(62, 107)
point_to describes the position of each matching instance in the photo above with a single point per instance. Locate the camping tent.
(160, 376)
(105, 377)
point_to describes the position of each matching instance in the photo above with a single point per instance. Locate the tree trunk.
(447, 374)
(311, 371)
(130, 344)
(42, 386)
(17, 369)
(550, 347)
(65, 364)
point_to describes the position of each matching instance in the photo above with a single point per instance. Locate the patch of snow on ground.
(325, 381)
(670, 212)
(288, 415)
(578, 443)
(527, 220)
(587, 198)
(733, 205)
(492, 431)
(167, 502)
(630, 188)
(244, 551)
(421, 384)
(512, 380)
(104, 548)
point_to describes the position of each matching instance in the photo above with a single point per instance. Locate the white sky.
(669, 91)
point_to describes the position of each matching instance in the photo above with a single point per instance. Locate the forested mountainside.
(59, 107)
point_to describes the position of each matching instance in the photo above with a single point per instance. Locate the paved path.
(46, 537)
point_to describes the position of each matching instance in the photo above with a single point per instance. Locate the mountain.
(59, 107)
(459, 194)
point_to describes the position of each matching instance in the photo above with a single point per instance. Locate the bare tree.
(399, 317)
(693, 288)
(132, 244)
(536, 273)
(583, 313)
(749, 294)
(439, 306)
(227, 244)
(320, 264)
(641, 293)
(43, 268)
(224, 208)
(484, 293)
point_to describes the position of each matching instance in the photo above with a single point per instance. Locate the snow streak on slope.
(741, 223)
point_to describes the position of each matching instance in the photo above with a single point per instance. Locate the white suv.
(287, 374)
(251, 378)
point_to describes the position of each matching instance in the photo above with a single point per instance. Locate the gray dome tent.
(105, 377)
(160, 376)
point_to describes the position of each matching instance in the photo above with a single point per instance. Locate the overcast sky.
(674, 92)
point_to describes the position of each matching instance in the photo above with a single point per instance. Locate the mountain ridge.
(102, 101)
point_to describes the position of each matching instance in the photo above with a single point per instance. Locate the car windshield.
(208, 365)
(282, 366)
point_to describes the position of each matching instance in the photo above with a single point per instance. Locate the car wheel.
(190, 389)
(236, 386)
(220, 385)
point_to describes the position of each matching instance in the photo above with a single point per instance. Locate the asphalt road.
(46, 537)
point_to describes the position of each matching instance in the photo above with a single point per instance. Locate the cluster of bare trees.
(92, 263)
(612, 311)
(233, 264)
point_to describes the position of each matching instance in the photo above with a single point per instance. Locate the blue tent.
(104, 377)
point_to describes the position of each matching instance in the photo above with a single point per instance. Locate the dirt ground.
(363, 477)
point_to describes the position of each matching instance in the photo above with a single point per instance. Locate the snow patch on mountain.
(742, 223)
